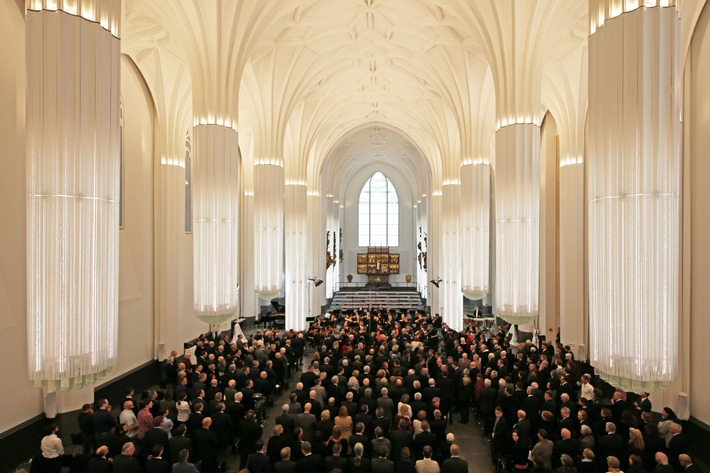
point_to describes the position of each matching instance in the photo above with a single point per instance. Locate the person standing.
(52, 449)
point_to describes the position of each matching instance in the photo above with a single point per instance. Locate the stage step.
(347, 300)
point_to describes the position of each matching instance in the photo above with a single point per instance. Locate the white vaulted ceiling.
(311, 80)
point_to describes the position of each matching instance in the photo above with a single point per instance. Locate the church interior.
(172, 166)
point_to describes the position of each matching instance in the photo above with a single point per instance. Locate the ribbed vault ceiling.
(313, 80)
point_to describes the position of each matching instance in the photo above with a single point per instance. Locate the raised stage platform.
(355, 299)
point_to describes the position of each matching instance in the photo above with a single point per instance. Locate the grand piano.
(276, 319)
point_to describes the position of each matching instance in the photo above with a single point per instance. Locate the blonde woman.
(344, 422)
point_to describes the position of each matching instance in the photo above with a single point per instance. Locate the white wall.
(23, 401)
(698, 146)
(407, 232)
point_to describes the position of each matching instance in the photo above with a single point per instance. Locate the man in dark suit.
(311, 462)
(99, 463)
(156, 436)
(126, 462)
(336, 460)
(523, 426)
(611, 444)
(687, 465)
(499, 436)
(566, 445)
(179, 442)
(454, 464)
(258, 462)
(424, 438)
(307, 422)
(678, 444)
(250, 432)
(286, 465)
(194, 422)
(156, 463)
(360, 437)
(287, 421)
(381, 464)
(276, 443)
(400, 438)
(222, 426)
(206, 445)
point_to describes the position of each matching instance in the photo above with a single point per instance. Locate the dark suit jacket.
(454, 465)
(421, 440)
(400, 439)
(99, 465)
(285, 467)
(259, 463)
(274, 446)
(156, 465)
(308, 423)
(381, 465)
(222, 426)
(176, 444)
(206, 447)
(156, 436)
(332, 462)
(569, 446)
(500, 435)
(126, 464)
(288, 422)
(311, 464)
(611, 445)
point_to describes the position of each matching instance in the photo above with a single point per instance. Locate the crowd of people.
(379, 394)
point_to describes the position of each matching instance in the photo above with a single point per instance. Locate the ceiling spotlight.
(316, 281)
(436, 281)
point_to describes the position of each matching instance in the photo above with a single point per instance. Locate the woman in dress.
(344, 422)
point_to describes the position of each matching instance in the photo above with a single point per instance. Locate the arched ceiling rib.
(318, 72)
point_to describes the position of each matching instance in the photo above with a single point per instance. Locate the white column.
(572, 270)
(475, 217)
(633, 191)
(315, 256)
(215, 208)
(269, 229)
(73, 176)
(297, 254)
(450, 256)
(434, 249)
(517, 222)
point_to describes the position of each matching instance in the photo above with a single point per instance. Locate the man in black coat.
(258, 462)
(194, 422)
(566, 445)
(126, 462)
(250, 432)
(454, 464)
(499, 436)
(99, 463)
(381, 464)
(286, 465)
(179, 442)
(422, 439)
(156, 436)
(222, 426)
(286, 420)
(611, 444)
(311, 462)
(678, 445)
(336, 460)
(276, 443)
(206, 446)
(401, 438)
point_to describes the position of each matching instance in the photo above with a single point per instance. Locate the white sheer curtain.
(475, 223)
(517, 222)
(450, 257)
(73, 176)
(269, 229)
(633, 187)
(215, 208)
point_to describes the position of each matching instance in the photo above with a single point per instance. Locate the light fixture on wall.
(316, 281)
(436, 281)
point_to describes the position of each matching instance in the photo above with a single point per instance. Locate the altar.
(378, 264)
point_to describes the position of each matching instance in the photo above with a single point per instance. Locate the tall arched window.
(379, 213)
